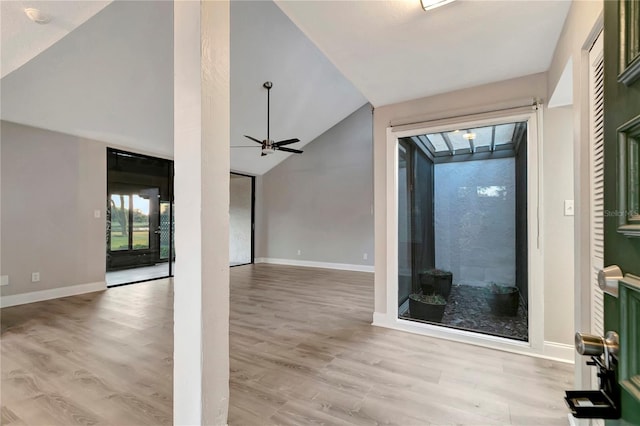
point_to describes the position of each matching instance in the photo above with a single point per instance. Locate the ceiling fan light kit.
(269, 146)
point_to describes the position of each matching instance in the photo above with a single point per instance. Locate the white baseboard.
(313, 264)
(585, 422)
(559, 352)
(549, 350)
(54, 293)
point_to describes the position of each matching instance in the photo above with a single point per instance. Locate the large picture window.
(457, 217)
(463, 230)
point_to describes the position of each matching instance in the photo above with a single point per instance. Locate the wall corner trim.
(380, 319)
(314, 264)
(54, 293)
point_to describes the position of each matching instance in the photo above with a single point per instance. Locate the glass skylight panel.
(469, 141)
(483, 136)
(438, 142)
(458, 141)
(504, 133)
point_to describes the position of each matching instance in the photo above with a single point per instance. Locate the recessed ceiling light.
(432, 4)
(37, 16)
(469, 136)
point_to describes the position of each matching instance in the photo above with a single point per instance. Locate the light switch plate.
(96, 214)
(4, 280)
(568, 208)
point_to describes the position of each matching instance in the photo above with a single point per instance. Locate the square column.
(201, 154)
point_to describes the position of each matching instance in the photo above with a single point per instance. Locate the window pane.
(483, 136)
(404, 226)
(119, 222)
(140, 223)
(438, 142)
(504, 133)
(458, 140)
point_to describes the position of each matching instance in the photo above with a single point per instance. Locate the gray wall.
(51, 184)
(321, 202)
(240, 220)
(475, 229)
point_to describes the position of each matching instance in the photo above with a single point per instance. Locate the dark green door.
(622, 188)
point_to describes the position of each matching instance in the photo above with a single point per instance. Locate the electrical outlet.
(4, 280)
(299, 252)
(35, 277)
(365, 256)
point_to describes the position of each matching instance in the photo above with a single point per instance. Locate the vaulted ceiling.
(309, 94)
(107, 72)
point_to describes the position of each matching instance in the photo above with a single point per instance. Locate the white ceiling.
(111, 78)
(394, 51)
(23, 39)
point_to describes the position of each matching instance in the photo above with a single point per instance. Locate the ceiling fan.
(269, 146)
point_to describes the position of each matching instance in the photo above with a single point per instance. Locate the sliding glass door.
(139, 217)
(241, 219)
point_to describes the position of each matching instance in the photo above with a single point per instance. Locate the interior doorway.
(140, 218)
(241, 219)
(462, 229)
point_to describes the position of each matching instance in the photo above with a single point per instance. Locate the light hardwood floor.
(302, 352)
(100, 358)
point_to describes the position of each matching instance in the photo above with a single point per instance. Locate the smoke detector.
(37, 16)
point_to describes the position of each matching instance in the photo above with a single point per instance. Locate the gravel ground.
(468, 309)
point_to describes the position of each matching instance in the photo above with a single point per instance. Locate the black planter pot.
(505, 304)
(426, 311)
(436, 283)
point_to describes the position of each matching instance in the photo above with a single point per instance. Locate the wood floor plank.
(367, 375)
(76, 360)
(302, 351)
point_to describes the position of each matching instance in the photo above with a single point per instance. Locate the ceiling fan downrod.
(268, 85)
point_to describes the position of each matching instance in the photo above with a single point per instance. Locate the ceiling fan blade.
(295, 151)
(253, 139)
(244, 146)
(286, 142)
